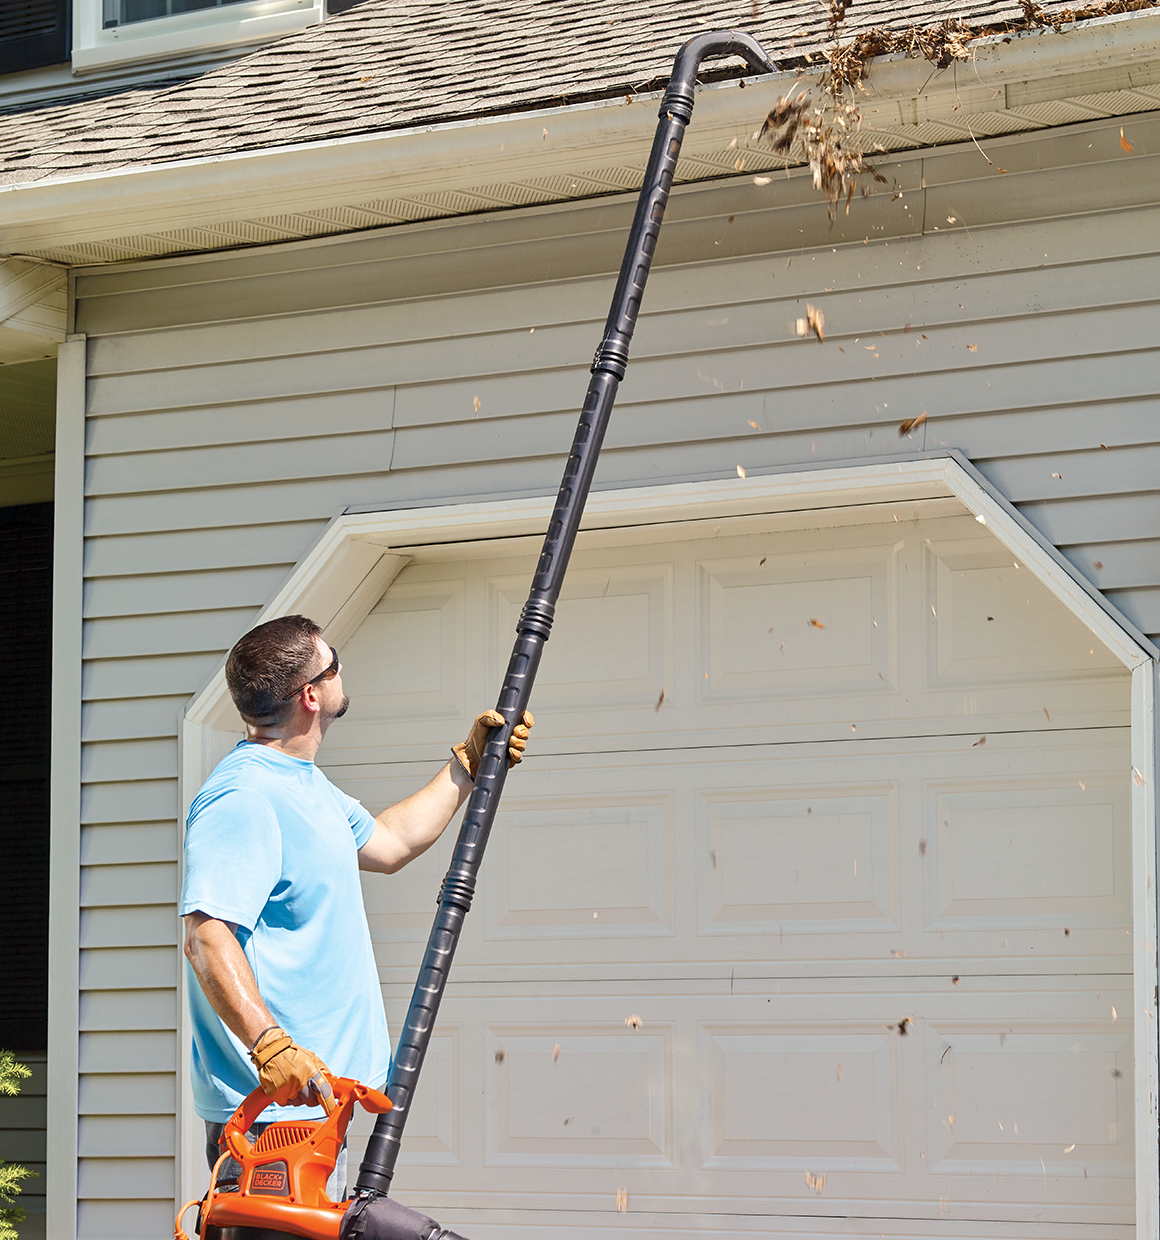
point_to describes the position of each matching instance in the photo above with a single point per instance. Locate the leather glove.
(289, 1073)
(471, 750)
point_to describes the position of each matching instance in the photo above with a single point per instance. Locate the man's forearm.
(225, 976)
(405, 830)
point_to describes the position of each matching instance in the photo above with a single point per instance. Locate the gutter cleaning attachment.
(282, 1186)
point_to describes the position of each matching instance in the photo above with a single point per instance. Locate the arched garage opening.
(842, 787)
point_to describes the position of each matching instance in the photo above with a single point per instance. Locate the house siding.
(236, 403)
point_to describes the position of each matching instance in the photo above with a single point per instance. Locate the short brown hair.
(267, 663)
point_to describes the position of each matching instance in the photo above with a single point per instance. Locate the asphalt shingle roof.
(390, 64)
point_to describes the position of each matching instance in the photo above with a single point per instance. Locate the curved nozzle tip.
(713, 43)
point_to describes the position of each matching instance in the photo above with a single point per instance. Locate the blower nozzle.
(372, 1216)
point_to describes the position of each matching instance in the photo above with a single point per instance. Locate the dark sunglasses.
(327, 673)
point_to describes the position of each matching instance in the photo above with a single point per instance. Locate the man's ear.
(309, 699)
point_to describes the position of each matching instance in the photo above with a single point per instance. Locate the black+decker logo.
(271, 1179)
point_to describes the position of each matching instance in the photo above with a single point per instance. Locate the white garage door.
(810, 911)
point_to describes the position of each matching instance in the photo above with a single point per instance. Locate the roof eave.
(1005, 74)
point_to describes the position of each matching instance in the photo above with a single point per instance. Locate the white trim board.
(65, 795)
(356, 557)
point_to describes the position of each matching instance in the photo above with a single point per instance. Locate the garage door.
(810, 911)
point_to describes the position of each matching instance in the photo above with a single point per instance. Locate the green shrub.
(11, 1176)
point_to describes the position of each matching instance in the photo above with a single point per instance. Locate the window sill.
(136, 44)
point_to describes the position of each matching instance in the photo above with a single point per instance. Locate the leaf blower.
(282, 1188)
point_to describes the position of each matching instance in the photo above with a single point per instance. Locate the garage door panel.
(542, 1108)
(996, 623)
(761, 636)
(551, 878)
(775, 1097)
(419, 626)
(612, 637)
(805, 1099)
(1029, 1091)
(823, 860)
(1029, 853)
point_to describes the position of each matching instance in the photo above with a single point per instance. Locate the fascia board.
(1003, 72)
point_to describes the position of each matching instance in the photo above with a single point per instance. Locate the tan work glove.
(289, 1073)
(469, 753)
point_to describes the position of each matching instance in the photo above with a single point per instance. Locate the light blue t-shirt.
(271, 845)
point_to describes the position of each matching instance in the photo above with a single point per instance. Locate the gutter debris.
(828, 135)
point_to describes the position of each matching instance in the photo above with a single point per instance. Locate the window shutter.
(33, 33)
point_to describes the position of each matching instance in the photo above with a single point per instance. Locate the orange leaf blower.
(282, 1185)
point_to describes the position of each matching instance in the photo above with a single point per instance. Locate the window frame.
(163, 38)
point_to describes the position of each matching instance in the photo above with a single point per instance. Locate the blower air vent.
(21, 18)
(280, 1135)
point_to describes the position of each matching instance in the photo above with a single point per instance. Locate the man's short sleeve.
(362, 822)
(233, 857)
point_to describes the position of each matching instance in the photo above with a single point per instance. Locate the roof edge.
(1006, 72)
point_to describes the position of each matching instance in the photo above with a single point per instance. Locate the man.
(275, 931)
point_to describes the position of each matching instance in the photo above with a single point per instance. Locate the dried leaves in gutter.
(828, 134)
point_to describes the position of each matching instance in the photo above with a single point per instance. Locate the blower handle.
(535, 623)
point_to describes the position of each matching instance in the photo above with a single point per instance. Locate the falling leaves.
(1137, 778)
(1115, 1017)
(972, 348)
(1069, 1148)
(980, 742)
(839, 1072)
(898, 955)
(633, 1022)
(660, 701)
(816, 624)
(1048, 716)
(741, 471)
(762, 180)
(955, 980)
(815, 1182)
(1055, 475)
(817, 321)
(475, 405)
(500, 1055)
(1125, 145)
(908, 424)
(754, 425)
(622, 1200)
(904, 1023)
(556, 1052)
(1098, 565)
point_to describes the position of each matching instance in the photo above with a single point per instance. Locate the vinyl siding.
(237, 403)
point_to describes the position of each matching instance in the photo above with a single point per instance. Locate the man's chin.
(338, 714)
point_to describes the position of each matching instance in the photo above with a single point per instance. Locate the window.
(122, 12)
(111, 33)
(33, 34)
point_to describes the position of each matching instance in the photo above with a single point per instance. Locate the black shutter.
(26, 622)
(33, 33)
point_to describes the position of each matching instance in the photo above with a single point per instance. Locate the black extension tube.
(372, 1216)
